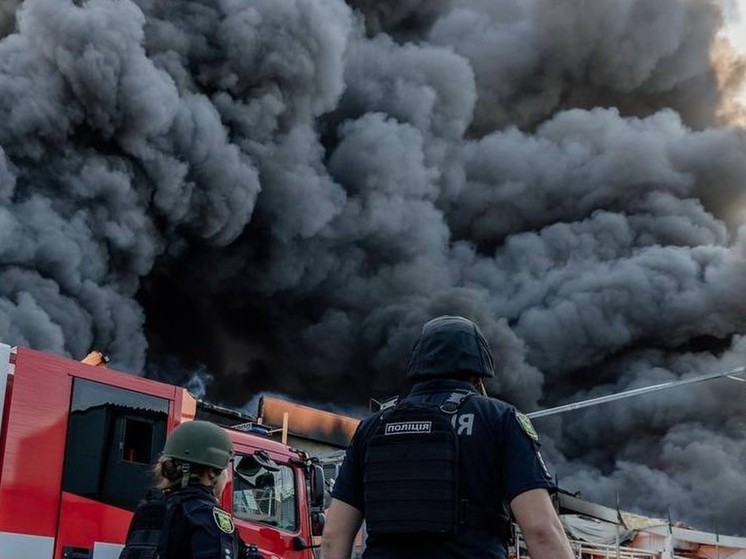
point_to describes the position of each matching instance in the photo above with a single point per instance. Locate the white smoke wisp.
(285, 190)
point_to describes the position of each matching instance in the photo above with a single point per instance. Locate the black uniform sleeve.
(348, 486)
(525, 468)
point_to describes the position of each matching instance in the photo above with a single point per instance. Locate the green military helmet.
(199, 442)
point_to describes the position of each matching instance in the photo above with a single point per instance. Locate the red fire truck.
(77, 444)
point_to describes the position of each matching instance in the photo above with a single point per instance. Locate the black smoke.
(283, 191)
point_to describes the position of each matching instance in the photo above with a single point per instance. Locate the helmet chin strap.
(481, 388)
(185, 471)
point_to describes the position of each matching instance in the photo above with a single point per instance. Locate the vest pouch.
(411, 473)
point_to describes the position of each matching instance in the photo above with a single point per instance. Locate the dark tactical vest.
(411, 473)
(146, 538)
(153, 523)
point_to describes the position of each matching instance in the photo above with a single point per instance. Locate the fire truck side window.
(113, 437)
(138, 441)
(264, 495)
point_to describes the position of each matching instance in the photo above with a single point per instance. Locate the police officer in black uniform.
(184, 521)
(433, 475)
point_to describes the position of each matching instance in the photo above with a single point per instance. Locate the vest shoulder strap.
(450, 406)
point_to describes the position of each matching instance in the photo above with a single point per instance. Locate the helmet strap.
(185, 471)
(481, 388)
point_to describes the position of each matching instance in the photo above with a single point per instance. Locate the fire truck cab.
(77, 445)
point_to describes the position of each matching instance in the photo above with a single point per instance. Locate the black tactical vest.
(411, 470)
(159, 530)
(146, 538)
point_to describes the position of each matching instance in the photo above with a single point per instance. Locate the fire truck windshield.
(264, 495)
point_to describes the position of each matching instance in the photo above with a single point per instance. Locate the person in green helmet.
(184, 521)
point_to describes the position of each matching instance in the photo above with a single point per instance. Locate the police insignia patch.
(223, 520)
(526, 425)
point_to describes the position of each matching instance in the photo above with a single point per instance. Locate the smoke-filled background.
(279, 193)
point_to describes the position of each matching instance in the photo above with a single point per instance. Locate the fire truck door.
(113, 438)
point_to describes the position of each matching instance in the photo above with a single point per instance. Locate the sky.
(735, 12)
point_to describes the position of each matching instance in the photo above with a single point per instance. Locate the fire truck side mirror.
(317, 486)
(318, 519)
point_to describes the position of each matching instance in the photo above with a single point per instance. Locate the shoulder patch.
(223, 520)
(526, 425)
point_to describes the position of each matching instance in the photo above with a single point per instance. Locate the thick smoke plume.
(285, 190)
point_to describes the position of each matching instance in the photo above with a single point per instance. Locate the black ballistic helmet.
(450, 345)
